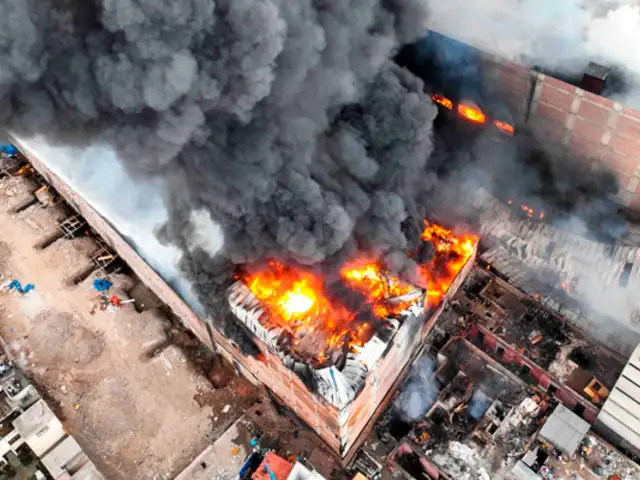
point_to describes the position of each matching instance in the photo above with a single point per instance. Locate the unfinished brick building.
(571, 120)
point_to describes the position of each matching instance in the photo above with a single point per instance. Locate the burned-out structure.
(537, 344)
(480, 421)
(500, 362)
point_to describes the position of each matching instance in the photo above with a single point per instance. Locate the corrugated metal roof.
(621, 411)
(564, 430)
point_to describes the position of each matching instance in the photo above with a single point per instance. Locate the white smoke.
(553, 34)
(420, 391)
(480, 403)
(136, 209)
(207, 234)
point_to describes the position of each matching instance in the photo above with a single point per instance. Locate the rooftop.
(621, 411)
(564, 430)
(261, 428)
(39, 427)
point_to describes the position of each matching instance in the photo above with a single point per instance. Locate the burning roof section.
(319, 334)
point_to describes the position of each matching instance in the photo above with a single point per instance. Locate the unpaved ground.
(137, 416)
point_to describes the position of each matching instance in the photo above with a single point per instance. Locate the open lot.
(133, 399)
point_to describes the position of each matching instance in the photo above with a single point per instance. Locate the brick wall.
(543, 378)
(511, 82)
(596, 131)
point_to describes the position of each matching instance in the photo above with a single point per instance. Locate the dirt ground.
(135, 402)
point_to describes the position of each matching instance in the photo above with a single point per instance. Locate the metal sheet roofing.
(621, 411)
(564, 430)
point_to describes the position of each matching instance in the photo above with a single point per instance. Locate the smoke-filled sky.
(282, 121)
(267, 127)
(564, 34)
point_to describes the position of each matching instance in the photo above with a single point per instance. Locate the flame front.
(368, 278)
(297, 300)
(293, 295)
(452, 252)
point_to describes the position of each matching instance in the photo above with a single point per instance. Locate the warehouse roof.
(621, 412)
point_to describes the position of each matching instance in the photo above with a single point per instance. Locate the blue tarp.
(8, 149)
(102, 285)
(16, 285)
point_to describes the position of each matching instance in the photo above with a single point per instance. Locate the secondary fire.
(321, 325)
(452, 252)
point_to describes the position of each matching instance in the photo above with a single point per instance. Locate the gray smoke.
(281, 123)
(479, 404)
(420, 391)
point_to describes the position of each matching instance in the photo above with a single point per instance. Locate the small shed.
(564, 430)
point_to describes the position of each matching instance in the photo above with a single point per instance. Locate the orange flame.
(505, 127)
(452, 252)
(368, 279)
(530, 212)
(293, 295)
(444, 101)
(296, 299)
(472, 114)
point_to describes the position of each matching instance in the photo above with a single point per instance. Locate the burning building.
(312, 147)
(345, 363)
(334, 356)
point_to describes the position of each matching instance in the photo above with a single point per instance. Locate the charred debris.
(493, 370)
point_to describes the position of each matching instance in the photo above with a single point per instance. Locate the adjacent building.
(33, 441)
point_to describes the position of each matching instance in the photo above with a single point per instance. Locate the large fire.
(386, 294)
(452, 252)
(297, 300)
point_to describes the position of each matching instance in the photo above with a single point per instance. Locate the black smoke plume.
(282, 121)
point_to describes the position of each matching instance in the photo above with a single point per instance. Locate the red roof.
(275, 464)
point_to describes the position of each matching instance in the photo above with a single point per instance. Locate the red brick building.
(597, 130)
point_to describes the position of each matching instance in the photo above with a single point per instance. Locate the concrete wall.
(596, 130)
